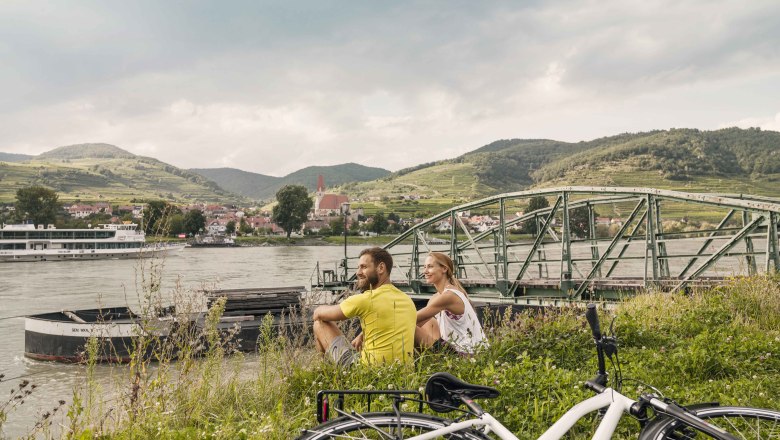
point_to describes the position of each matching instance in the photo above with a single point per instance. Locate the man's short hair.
(379, 255)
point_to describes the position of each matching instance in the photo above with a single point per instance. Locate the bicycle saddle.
(443, 390)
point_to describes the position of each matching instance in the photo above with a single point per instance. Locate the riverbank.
(313, 241)
(713, 345)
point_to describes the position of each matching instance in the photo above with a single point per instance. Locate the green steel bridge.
(574, 255)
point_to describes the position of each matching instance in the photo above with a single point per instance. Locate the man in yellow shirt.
(387, 317)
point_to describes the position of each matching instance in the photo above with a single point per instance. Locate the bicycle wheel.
(411, 424)
(741, 422)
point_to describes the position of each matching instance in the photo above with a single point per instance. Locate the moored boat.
(63, 336)
(108, 241)
(213, 241)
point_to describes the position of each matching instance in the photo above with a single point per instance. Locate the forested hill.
(11, 157)
(726, 160)
(263, 187)
(95, 172)
(680, 154)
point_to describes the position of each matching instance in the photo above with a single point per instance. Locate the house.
(82, 211)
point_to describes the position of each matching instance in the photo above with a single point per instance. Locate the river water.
(37, 287)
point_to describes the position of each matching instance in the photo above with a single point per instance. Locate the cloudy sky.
(272, 87)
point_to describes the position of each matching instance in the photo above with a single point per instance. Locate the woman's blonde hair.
(446, 262)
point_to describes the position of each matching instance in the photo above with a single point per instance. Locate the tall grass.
(721, 345)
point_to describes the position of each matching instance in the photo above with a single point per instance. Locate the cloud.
(273, 88)
(764, 123)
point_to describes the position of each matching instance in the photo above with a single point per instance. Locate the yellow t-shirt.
(388, 318)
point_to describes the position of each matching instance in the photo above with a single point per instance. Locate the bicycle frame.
(616, 403)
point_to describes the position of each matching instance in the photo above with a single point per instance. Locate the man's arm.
(328, 313)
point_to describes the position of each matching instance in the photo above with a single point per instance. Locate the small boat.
(107, 241)
(63, 336)
(213, 241)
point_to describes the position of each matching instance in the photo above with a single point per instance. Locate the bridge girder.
(495, 264)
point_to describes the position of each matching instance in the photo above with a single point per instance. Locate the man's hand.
(357, 343)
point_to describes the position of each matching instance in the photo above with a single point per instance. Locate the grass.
(714, 345)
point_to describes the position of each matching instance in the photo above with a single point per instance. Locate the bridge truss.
(578, 253)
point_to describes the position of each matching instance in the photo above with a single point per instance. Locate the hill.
(92, 172)
(11, 157)
(727, 161)
(263, 187)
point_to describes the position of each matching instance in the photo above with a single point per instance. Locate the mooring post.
(566, 267)
(772, 252)
(750, 252)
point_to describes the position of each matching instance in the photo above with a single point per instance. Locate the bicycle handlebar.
(593, 320)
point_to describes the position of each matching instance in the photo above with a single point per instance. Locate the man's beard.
(370, 281)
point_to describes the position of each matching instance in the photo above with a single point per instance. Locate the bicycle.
(445, 393)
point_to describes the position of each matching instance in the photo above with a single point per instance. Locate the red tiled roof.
(332, 201)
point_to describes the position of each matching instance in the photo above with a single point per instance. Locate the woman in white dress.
(448, 321)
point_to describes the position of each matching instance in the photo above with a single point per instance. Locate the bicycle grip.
(593, 319)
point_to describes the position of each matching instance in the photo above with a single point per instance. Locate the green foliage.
(713, 345)
(336, 227)
(579, 221)
(534, 204)
(293, 208)
(230, 227)
(680, 154)
(379, 225)
(38, 204)
(157, 217)
(194, 221)
(244, 227)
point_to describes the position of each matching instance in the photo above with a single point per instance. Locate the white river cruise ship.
(26, 243)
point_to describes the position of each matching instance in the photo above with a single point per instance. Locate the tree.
(194, 221)
(245, 228)
(293, 208)
(337, 226)
(38, 204)
(157, 217)
(534, 203)
(230, 227)
(579, 221)
(176, 224)
(379, 225)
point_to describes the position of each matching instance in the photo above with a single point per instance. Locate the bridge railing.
(570, 255)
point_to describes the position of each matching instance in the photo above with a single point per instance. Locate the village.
(328, 216)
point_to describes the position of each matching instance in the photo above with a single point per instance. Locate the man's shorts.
(342, 353)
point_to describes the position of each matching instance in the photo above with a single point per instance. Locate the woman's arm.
(435, 305)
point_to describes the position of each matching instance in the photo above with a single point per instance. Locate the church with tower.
(327, 204)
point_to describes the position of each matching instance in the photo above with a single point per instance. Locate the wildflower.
(473, 360)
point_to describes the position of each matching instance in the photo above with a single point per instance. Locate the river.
(29, 288)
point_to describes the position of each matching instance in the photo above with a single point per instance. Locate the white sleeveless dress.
(463, 332)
